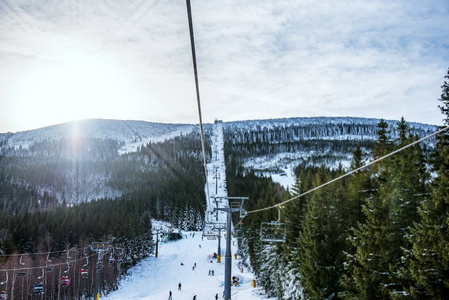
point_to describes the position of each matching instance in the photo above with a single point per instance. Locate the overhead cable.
(40, 253)
(50, 265)
(195, 72)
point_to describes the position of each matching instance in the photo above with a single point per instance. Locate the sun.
(75, 85)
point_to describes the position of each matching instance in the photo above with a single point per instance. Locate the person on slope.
(169, 296)
(179, 286)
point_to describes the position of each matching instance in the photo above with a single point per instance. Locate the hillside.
(276, 147)
(84, 160)
(129, 134)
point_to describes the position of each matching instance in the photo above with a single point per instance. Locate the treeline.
(301, 129)
(379, 234)
(320, 146)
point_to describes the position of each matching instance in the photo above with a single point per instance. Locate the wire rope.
(51, 265)
(349, 173)
(40, 253)
(197, 88)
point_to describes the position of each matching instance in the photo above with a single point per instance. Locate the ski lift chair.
(273, 231)
(38, 288)
(65, 281)
(209, 232)
(22, 273)
(238, 233)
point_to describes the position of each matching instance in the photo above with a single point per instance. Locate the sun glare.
(76, 86)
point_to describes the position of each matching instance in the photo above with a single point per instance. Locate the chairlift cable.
(350, 172)
(197, 88)
(40, 267)
(38, 253)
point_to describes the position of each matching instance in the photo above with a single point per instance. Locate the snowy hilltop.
(86, 157)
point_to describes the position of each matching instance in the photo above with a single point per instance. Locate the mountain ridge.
(134, 133)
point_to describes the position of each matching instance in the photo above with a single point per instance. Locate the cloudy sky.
(63, 60)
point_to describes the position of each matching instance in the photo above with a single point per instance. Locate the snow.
(154, 278)
(132, 133)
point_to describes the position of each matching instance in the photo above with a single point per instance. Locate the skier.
(194, 297)
(216, 296)
(169, 296)
(213, 273)
(179, 286)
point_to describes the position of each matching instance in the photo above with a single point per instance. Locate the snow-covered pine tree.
(429, 266)
(320, 244)
(368, 268)
(406, 185)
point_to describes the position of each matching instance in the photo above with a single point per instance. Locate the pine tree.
(368, 267)
(429, 266)
(406, 186)
(320, 241)
(294, 215)
(358, 190)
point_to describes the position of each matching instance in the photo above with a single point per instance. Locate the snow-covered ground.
(154, 278)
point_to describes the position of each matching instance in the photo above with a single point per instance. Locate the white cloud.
(256, 59)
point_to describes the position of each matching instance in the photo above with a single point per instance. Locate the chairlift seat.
(273, 232)
(38, 289)
(238, 233)
(22, 274)
(84, 273)
(65, 281)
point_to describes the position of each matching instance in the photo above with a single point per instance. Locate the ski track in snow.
(153, 278)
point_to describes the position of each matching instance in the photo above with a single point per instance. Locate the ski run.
(190, 261)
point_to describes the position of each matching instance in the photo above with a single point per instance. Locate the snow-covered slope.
(153, 278)
(271, 147)
(131, 133)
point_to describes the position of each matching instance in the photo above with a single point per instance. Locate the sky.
(64, 60)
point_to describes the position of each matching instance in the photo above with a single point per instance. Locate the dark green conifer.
(429, 265)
